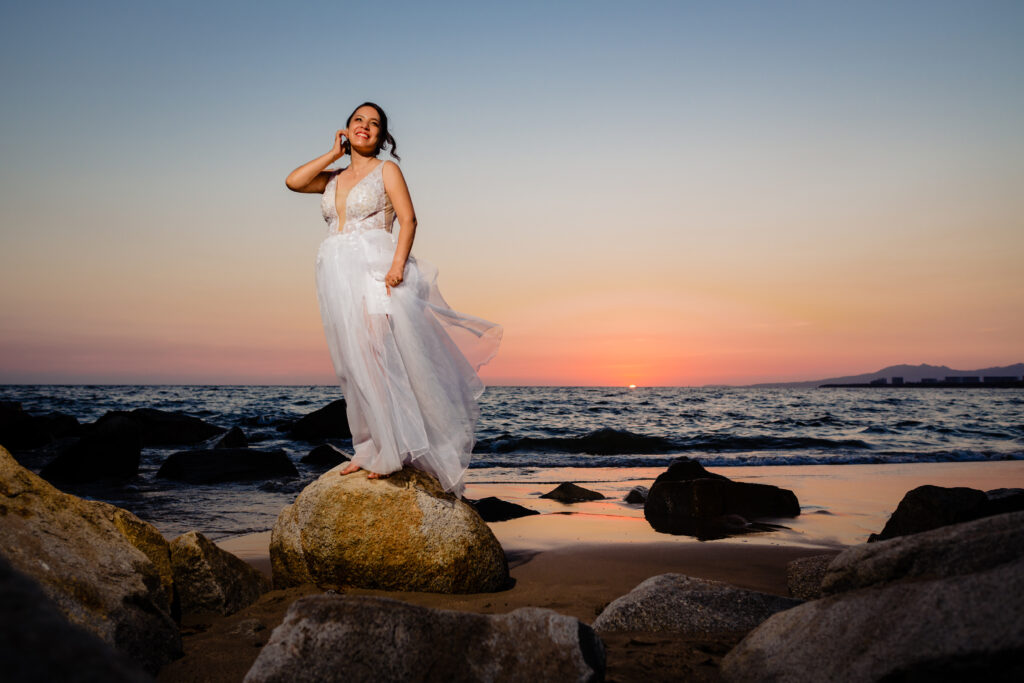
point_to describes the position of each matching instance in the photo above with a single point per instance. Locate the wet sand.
(578, 562)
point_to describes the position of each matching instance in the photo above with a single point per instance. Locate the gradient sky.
(659, 193)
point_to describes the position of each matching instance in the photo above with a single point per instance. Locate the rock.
(944, 552)
(493, 509)
(637, 495)
(804, 576)
(151, 542)
(325, 455)
(1001, 501)
(83, 562)
(400, 533)
(968, 627)
(111, 448)
(234, 438)
(38, 643)
(567, 492)
(210, 579)
(687, 499)
(160, 427)
(331, 421)
(683, 604)
(929, 507)
(341, 638)
(687, 469)
(217, 465)
(21, 430)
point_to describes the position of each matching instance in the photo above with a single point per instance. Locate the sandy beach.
(577, 558)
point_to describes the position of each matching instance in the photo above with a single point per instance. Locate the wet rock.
(38, 643)
(804, 576)
(567, 492)
(683, 501)
(234, 438)
(110, 449)
(329, 422)
(21, 430)
(968, 627)
(944, 552)
(400, 533)
(340, 638)
(218, 465)
(326, 454)
(161, 427)
(637, 495)
(683, 604)
(493, 509)
(210, 579)
(84, 563)
(930, 507)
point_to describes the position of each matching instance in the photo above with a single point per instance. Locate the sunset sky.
(658, 193)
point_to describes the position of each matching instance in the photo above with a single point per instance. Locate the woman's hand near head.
(340, 148)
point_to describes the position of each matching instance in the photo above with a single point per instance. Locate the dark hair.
(385, 138)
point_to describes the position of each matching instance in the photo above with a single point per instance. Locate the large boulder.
(339, 638)
(691, 606)
(328, 422)
(217, 465)
(210, 579)
(493, 509)
(930, 507)
(947, 551)
(233, 438)
(38, 643)
(97, 577)
(109, 449)
(946, 604)
(805, 574)
(400, 533)
(968, 627)
(715, 507)
(20, 429)
(325, 454)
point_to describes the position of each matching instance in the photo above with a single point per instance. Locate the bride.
(406, 361)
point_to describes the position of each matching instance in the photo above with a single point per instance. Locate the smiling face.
(364, 128)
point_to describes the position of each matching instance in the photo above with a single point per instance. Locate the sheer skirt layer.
(407, 363)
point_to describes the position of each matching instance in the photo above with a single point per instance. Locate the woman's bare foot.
(375, 475)
(352, 467)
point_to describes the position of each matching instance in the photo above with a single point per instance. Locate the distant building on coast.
(897, 380)
(880, 380)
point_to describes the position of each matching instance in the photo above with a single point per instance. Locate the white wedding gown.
(407, 363)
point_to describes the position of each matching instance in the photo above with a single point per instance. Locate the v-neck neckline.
(358, 183)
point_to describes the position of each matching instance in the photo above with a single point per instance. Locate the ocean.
(544, 435)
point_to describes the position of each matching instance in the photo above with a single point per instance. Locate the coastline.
(577, 558)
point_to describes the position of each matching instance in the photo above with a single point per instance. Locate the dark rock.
(497, 510)
(687, 469)
(20, 430)
(948, 551)
(401, 533)
(804, 576)
(226, 464)
(703, 507)
(347, 638)
(38, 643)
(567, 492)
(210, 579)
(327, 454)
(329, 422)
(235, 438)
(637, 495)
(160, 427)
(683, 604)
(111, 448)
(930, 507)
(960, 628)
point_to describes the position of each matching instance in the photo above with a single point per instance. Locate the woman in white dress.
(406, 361)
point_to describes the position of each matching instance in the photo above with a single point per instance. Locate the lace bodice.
(367, 206)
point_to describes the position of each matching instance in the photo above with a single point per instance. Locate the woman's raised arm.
(311, 177)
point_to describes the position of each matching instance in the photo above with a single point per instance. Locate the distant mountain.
(909, 373)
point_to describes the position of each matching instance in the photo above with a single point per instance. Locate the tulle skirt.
(406, 362)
